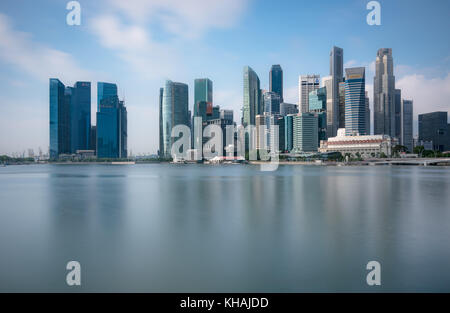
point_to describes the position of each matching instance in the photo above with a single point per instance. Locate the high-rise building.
(93, 141)
(261, 136)
(305, 132)
(111, 125)
(272, 103)
(276, 80)
(281, 134)
(318, 105)
(306, 84)
(203, 91)
(288, 108)
(80, 116)
(59, 127)
(289, 132)
(327, 82)
(406, 137)
(252, 97)
(355, 101)
(226, 115)
(161, 137)
(175, 108)
(367, 113)
(398, 113)
(434, 127)
(337, 76)
(341, 105)
(105, 90)
(384, 94)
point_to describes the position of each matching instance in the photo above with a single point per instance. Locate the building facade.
(305, 130)
(435, 128)
(318, 105)
(337, 76)
(252, 97)
(276, 80)
(272, 103)
(406, 138)
(355, 101)
(59, 119)
(306, 84)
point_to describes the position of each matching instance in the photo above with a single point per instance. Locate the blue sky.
(140, 43)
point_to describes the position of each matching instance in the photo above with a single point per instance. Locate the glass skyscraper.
(355, 101)
(305, 132)
(111, 124)
(434, 127)
(59, 127)
(337, 75)
(306, 84)
(276, 80)
(105, 90)
(407, 125)
(175, 108)
(252, 97)
(318, 105)
(289, 132)
(272, 102)
(80, 116)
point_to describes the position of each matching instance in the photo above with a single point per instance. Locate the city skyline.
(422, 74)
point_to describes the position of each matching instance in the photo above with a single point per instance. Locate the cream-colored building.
(366, 146)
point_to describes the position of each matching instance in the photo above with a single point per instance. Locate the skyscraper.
(341, 123)
(306, 84)
(203, 91)
(434, 127)
(337, 76)
(276, 80)
(305, 132)
(59, 126)
(252, 97)
(367, 113)
(161, 140)
(105, 90)
(384, 94)
(318, 105)
(327, 82)
(272, 102)
(289, 132)
(111, 124)
(407, 124)
(398, 113)
(80, 116)
(175, 109)
(355, 101)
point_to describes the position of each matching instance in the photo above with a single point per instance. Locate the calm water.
(193, 228)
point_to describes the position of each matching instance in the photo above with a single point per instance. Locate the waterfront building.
(435, 128)
(341, 123)
(337, 76)
(289, 132)
(252, 97)
(406, 138)
(161, 135)
(59, 126)
(306, 84)
(305, 130)
(384, 94)
(355, 101)
(318, 105)
(80, 116)
(398, 113)
(276, 80)
(105, 90)
(365, 146)
(367, 113)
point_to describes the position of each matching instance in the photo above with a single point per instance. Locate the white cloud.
(18, 49)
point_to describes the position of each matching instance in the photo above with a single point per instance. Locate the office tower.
(305, 132)
(276, 80)
(215, 113)
(80, 116)
(289, 132)
(260, 122)
(161, 140)
(318, 105)
(252, 97)
(226, 115)
(327, 82)
(222, 123)
(93, 141)
(59, 126)
(175, 109)
(398, 113)
(384, 94)
(337, 76)
(271, 103)
(433, 127)
(288, 108)
(105, 90)
(306, 84)
(203, 91)
(111, 124)
(355, 101)
(281, 134)
(367, 122)
(341, 123)
(407, 124)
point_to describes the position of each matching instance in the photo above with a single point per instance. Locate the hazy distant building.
(252, 97)
(337, 76)
(434, 127)
(305, 131)
(406, 138)
(306, 84)
(175, 109)
(288, 108)
(384, 93)
(355, 101)
(161, 135)
(276, 80)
